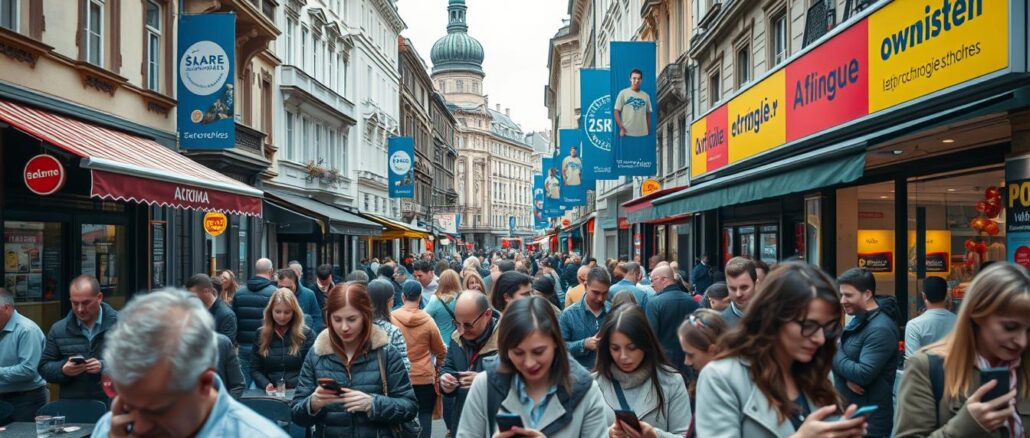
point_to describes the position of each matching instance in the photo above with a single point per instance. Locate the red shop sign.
(44, 175)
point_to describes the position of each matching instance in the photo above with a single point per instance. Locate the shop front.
(397, 240)
(78, 198)
(898, 173)
(661, 236)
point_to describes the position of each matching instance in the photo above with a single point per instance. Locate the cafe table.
(28, 430)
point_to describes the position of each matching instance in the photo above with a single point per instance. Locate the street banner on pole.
(597, 122)
(574, 185)
(207, 53)
(539, 220)
(401, 164)
(552, 188)
(633, 84)
(446, 222)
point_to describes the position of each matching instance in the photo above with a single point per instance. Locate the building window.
(743, 66)
(461, 86)
(305, 137)
(291, 147)
(291, 27)
(95, 32)
(316, 68)
(713, 89)
(779, 37)
(153, 31)
(9, 14)
(303, 48)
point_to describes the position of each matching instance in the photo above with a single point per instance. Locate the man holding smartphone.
(474, 339)
(71, 358)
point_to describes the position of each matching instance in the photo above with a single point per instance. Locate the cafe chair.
(273, 409)
(6, 410)
(75, 411)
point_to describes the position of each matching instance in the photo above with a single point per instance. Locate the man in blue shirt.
(162, 359)
(21, 345)
(580, 322)
(631, 274)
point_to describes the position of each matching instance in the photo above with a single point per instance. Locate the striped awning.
(125, 167)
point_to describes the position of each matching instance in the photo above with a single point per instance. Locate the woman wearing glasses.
(943, 393)
(634, 375)
(771, 380)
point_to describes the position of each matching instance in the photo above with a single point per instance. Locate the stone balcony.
(312, 96)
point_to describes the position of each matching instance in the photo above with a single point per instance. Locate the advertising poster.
(401, 165)
(538, 202)
(551, 185)
(23, 260)
(635, 93)
(876, 250)
(938, 252)
(574, 185)
(1016, 199)
(597, 122)
(206, 81)
(446, 222)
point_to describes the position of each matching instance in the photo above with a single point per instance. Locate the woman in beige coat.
(942, 394)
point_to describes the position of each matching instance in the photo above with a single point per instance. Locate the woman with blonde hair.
(281, 343)
(472, 281)
(943, 393)
(229, 286)
(441, 306)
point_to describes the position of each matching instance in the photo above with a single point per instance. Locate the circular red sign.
(44, 174)
(1022, 256)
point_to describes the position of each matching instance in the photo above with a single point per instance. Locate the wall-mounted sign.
(215, 223)
(597, 121)
(904, 51)
(44, 174)
(401, 163)
(876, 250)
(649, 186)
(206, 86)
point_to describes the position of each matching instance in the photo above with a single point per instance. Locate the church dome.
(457, 51)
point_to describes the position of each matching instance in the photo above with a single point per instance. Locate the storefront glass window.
(660, 239)
(769, 244)
(104, 257)
(727, 245)
(747, 241)
(810, 246)
(244, 233)
(217, 251)
(33, 268)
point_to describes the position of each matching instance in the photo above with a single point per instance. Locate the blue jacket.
(701, 278)
(666, 311)
(868, 357)
(578, 323)
(312, 310)
(628, 286)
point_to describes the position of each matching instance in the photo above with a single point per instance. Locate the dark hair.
(422, 265)
(385, 271)
(701, 330)
(441, 266)
(637, 71)
(717, 290)
(288, 273)
(784, 298)
(544, 285)
(623, 300)
(630, 320)
(505, 265)
(522, 319)
(357, 275)
(741, 265)
(324, 271)
(411, 290)
(936, 289)
(381, 292)
(600, 275)
(590, 259)
(859, 278)
(506, 285)
(760, 266)
(197, 280)
(216, 283)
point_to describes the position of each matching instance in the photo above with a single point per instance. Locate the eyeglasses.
(831, 330)
(468, 325)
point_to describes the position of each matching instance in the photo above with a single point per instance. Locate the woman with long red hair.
(353, 383)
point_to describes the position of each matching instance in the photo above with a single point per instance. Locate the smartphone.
(999, 374)
(629, 418)
(506, 421)
(330, 385)
(864, 411)
(77, 359)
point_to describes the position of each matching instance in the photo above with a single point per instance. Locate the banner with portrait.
(633, 86)
(574, 183)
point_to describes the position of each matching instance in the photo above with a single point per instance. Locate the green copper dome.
(457, 51)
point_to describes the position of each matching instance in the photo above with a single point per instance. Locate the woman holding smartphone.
(772, 378)
(976, 381)
(535, 390)
(645, 395)
(281, 344)
(341, 390)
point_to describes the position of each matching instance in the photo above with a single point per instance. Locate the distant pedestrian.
(701, 275)
(381, 294)
(581, 322)
(631, 276)
(441, 306)
(21, 348)
(229, 287)
(935, 323)
(741, 280)
(575, 293)
(666, 311)
(472, 280)
(324, 282)
(225, 320)
(312, 314)
(356, 275)
(249, 306)
(543, 287)
(424, 274)
(717, 297)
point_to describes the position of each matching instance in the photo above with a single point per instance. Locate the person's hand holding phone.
(270, 388)
(449, 383)
(323, 397)
(356, 401)
(466, 378)
(72, 368)
(990, 414)
(122, 421)
(93, 366)
(623, 430)
(816, 426)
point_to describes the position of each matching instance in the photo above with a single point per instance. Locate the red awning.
(129, 168)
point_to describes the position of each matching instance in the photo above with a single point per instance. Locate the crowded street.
(363, 219)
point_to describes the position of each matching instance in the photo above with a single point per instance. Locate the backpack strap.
(493, 398)
(936, 383)
(621, 395)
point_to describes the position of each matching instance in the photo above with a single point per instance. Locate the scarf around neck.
(631, 380)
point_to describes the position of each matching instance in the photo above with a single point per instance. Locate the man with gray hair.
(249, 306)
(21, 346)
(161, 357)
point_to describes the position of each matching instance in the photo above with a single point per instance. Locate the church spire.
(456, 16)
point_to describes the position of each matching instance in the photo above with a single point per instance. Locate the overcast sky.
(515, 37)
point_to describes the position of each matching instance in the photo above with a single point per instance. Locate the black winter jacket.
(461, 358)
(229, 367)
(868, 356)
(225, 320)
(279, 363)
(249, 307)
(65, 340)
(397, 407)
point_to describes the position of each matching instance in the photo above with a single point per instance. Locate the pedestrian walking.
(741, 280)
(543, 287)
(632, 366)
(666, 311)
(249, 306)
(771, 379)
(381, 294)
(535, 381)
(353, 382)
(312, 313)
(21, 348)
(575, 293)
(717, 297)
(945, 391)
(324, 282)
(441, 306)
(509, 287)
(229, 287)
(426, 352)
(631, 275)
(423, 272)
(935, 323)
(281, 344)
(225, 320)
(701, 275)
(699, 335)
(472, 280)
(581, 322)
(474, 340)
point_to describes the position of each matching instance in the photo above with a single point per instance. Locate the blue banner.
(597, 122)
(633, 107)
(401, 166)
(552, 188)
(207, 79)
(574, 184)
(539, 221)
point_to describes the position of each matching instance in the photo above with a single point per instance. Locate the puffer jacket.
(461, 358)
(279, 363)
(868, 356)
(397, 407)
(424, 343)
(65, 340)
(249, 306)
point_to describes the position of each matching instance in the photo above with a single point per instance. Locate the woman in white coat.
(535, 380)
(634, 375)
(772, 377)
